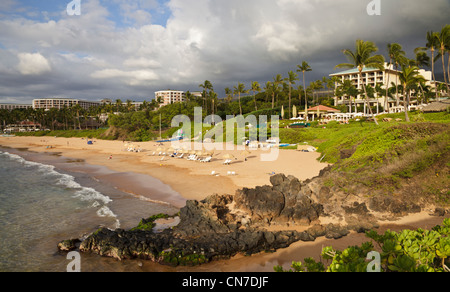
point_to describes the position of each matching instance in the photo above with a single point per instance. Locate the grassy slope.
(397, 158)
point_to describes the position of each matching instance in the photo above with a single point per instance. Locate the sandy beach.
(193, 180)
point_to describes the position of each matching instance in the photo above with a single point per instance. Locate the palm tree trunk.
(290, 111)
(448, 70)
(351, 104)
(443, 69)
(367, 99)
(306, 98)
(273, 100)
(240, 107)
(406, 104)
(396, 88)
(386, 102)
(434, 77)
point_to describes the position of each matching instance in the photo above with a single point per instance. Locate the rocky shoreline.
(262, 219)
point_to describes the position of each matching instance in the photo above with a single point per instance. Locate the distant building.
(60, 103)
(24, 126)
(167, 97)
(10, 106)
(197, 93)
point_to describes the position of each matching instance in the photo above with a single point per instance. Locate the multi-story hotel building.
(10, 106)
(372, 77)
(59, 103)
(170, 96)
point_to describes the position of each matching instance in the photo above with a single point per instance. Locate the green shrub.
(406, 251)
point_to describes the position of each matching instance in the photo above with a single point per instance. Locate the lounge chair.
(181, 156)
(207, 159)
(192, 157)
(228, 161)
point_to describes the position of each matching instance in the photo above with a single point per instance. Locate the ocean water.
(42, 204)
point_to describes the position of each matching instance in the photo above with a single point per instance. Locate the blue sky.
(55, 9)
(129, 49)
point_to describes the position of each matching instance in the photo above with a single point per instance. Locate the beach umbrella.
(245, 153)
(294, 111)
(282, 112)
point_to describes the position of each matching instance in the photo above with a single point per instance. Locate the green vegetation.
(91, 134)
(149, 223)
(406, 251)
(385, 158)
(182, 259)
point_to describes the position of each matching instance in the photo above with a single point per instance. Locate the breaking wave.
(67, 181)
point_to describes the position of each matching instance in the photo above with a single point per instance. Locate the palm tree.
(214, 102)
(129, 106)
(379, 90)
(443, 41)
(399, 59)
(119, 105)
(318, 86)
(409, 77)
(255, 88)
(300, 91)
(207, 85)
(228, 94)
(394, 50)
(422, 59)
(268, 90)
(432, 44)
(331, 84)
(304, 67)
(363, 58)
(349, 90)
(277, 81)
(292, 77)
(77, 112)
(239, 89)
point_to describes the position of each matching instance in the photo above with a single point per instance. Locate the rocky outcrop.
(282, 202)
(265, 218)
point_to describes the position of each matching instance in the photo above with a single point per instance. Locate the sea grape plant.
(406, 251)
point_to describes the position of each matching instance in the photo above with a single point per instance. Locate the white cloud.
(223, 41)
(133, 78)
(33, 64)
(141, 62)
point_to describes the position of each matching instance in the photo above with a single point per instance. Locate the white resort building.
(60, 103)
(372, 77)
(167, 97)
(11, 106)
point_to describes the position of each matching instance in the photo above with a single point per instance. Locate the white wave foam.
(68, 181)
(106, 212)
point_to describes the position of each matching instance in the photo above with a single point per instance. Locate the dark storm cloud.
(96, 56)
